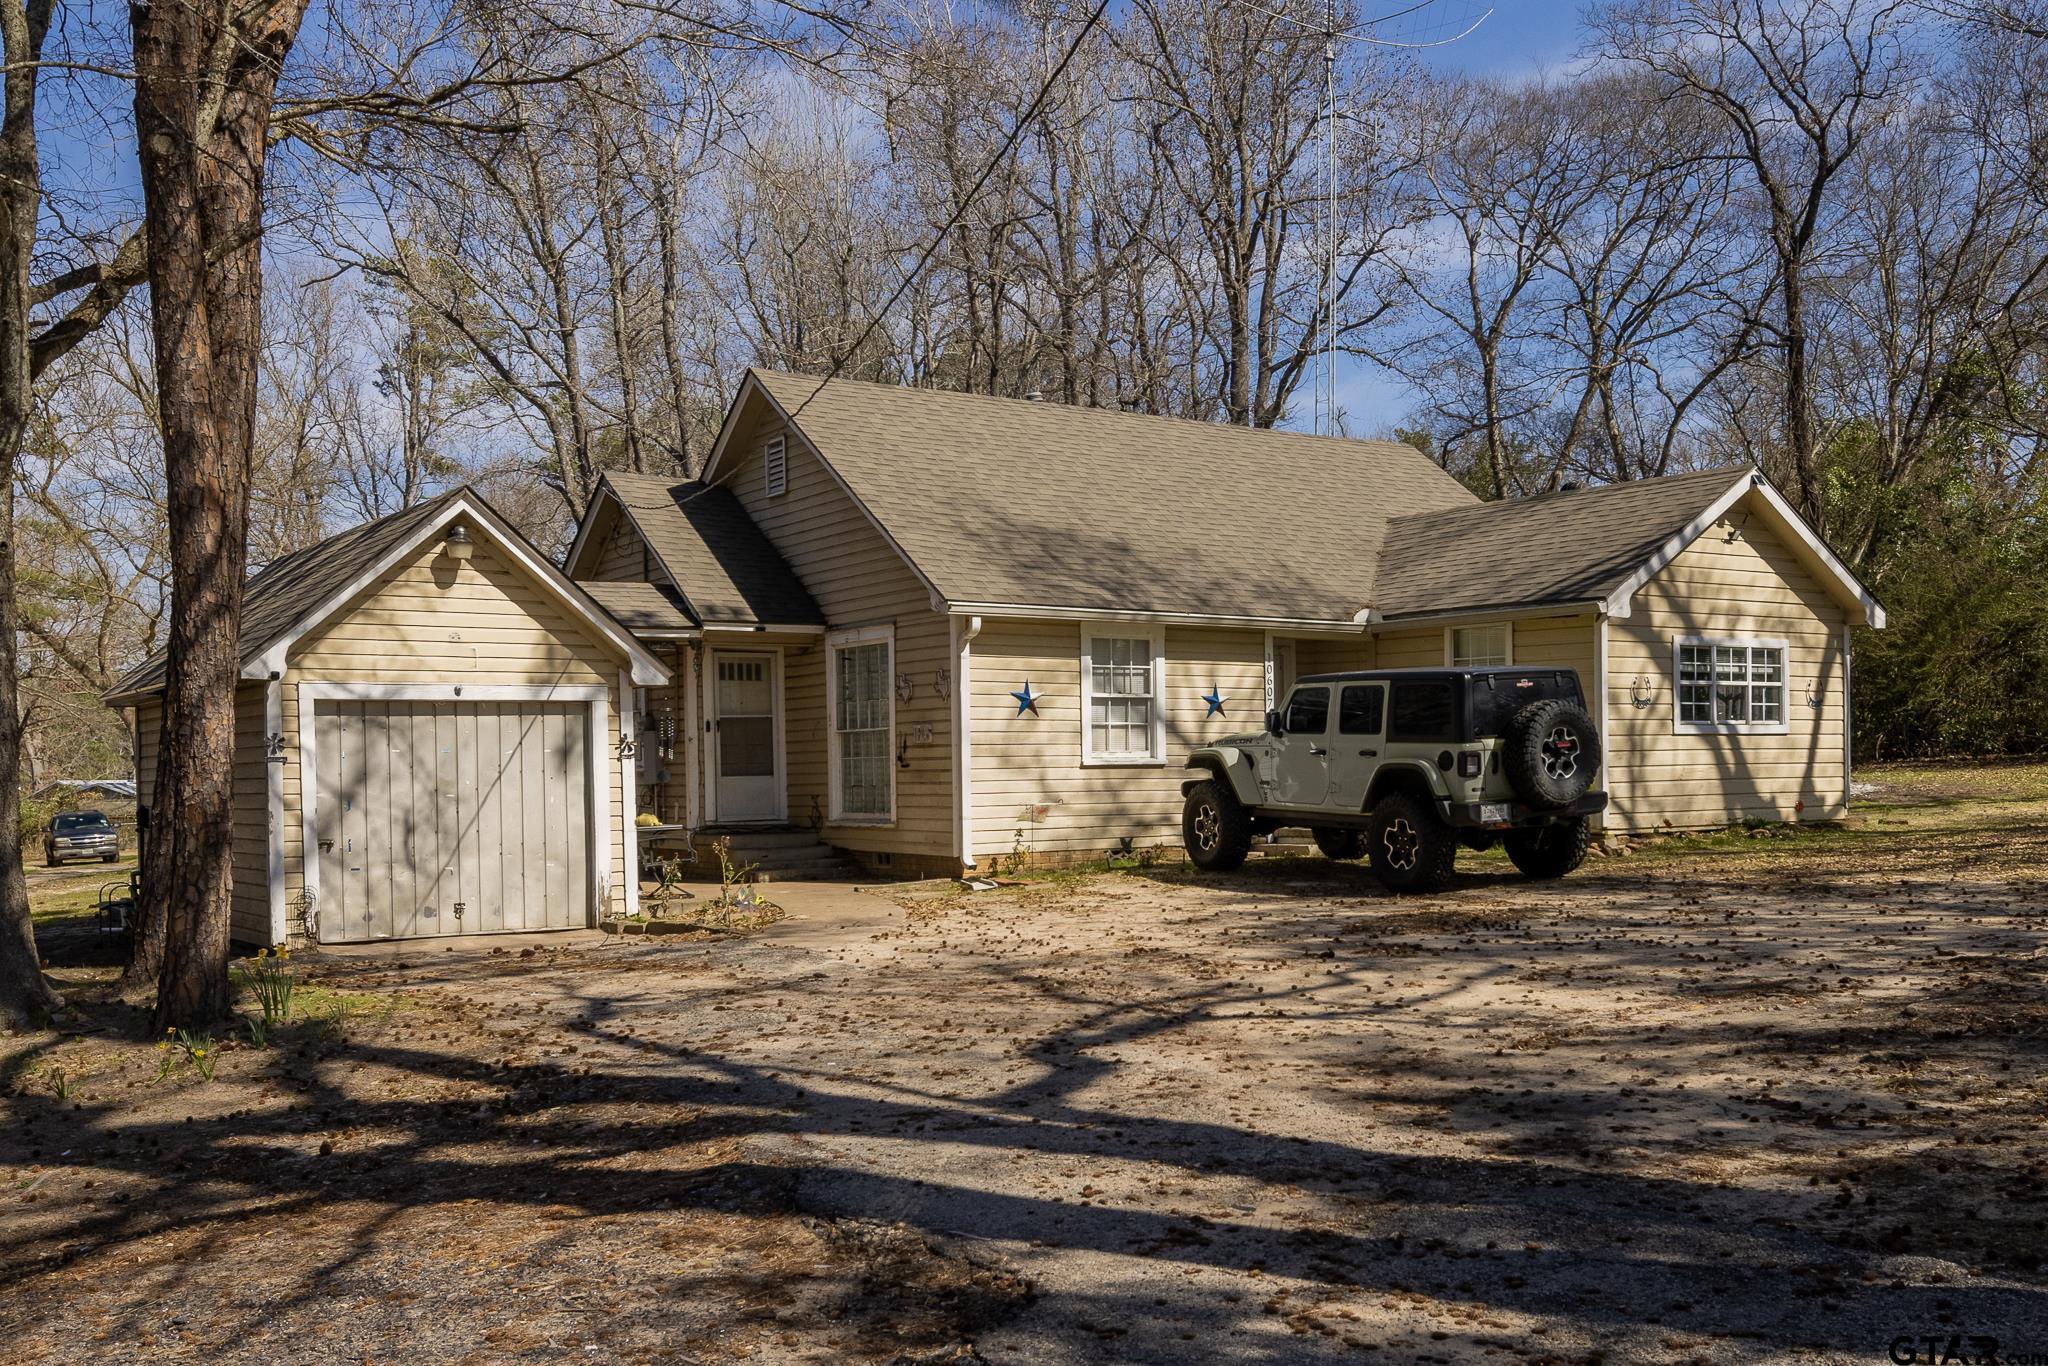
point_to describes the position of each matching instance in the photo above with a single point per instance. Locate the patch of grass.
(1943, 782)
(70, 896)
(332, 1009)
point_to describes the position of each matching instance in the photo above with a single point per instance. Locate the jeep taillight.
(1469, 763)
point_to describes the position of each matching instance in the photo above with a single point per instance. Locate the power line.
(966, 201)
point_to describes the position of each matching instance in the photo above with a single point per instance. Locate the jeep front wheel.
(1550, 851)
(1215, 827)
(1410, 846)
(1339, 842)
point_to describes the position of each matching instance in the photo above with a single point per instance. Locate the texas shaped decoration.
(1215, 698)
(1027, 700)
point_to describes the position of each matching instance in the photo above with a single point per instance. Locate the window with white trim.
(1729, 684)
(1123, 710)
(863, 721)
(775, 465)
(1479, 646)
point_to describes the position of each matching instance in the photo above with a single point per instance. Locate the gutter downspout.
(1601, 713)
(965, 629)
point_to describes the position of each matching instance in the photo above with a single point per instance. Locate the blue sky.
(94, 156)
(1520, 37)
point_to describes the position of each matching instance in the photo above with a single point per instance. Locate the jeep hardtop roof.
(1439, 671)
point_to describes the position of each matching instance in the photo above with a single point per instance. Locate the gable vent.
(775, 462)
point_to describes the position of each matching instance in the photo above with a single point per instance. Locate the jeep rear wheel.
(1411, 848)
(1550, 851)
(1215, 827)
(1339, 842)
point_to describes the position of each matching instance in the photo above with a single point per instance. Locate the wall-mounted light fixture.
(458, 546)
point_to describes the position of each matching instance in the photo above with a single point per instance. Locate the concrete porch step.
(760, 836)
(778, 854)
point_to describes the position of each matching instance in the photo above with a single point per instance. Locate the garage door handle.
(1319, 753)
(1368, 754)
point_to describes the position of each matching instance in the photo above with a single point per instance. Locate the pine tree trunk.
(203, 95)
(25, 994)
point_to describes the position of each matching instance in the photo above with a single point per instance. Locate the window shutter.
(775, 462)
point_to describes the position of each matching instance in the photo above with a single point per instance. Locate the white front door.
(745, 750)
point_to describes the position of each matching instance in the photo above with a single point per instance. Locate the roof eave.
(1491, 612)
(1327, 625)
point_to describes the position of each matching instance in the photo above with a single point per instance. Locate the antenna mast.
(1419, 31)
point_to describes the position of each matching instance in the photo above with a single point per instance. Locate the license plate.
(1495, 811)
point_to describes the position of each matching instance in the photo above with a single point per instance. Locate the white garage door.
(438, 818)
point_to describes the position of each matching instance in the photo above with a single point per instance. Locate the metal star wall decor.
(1215, 698)
(1026, 700)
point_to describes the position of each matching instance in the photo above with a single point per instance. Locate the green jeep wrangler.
(1403, 766)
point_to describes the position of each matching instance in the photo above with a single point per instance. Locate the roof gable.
(1593, 547)
(297, 594)
(725, 570)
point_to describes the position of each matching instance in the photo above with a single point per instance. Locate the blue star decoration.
(1026, 700)
(1215, 698)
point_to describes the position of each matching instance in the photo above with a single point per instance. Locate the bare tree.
(1802, 86)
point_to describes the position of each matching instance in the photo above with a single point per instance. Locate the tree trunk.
(203, 92)
(1799, 435)
(25, 994)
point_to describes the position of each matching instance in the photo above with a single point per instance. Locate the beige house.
(930, 630)
(432, 709)
(937, 629)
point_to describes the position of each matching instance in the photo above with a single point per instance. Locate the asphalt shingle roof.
(1557, 548)
(726, 570)
(641, 608)
(1002, 501)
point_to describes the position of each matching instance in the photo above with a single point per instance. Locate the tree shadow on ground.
(1577, 1169)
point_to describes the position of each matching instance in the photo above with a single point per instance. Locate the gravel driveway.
(1718, 1108)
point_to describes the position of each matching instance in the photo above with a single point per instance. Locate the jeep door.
(1355, 748)
(1301, 752)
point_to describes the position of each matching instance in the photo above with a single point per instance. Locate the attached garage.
(428, 738)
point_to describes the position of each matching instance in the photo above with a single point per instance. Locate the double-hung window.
(1479, 646)
(1729, 685)
(863, 720)
(1122, 687)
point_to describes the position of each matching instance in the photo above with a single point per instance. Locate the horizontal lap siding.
(623, 557)
(427, 623)
(1752, 586)
(1025, 763)
(858, 579)
(149, 733)
(1415, 647)
(1323, 656)
(251, 915)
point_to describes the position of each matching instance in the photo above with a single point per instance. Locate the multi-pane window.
(1731, 683)
(1479, 646)
(1123, 700)
(861, 724)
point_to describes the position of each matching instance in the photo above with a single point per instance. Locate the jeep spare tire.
(1551, 751)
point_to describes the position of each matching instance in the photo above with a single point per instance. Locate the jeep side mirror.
(1273, 722)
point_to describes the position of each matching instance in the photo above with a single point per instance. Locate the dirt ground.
(1764, 1095)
